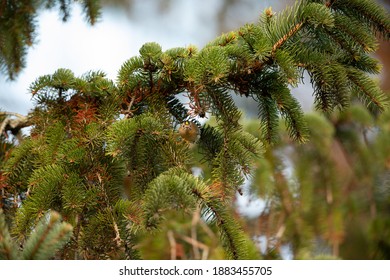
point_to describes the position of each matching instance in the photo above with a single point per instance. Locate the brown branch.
(118, 240)
(128, 112)
(197, 244)
(13, 124)
(194, 236)
(172, 243)
(258, 64)
(282, 40)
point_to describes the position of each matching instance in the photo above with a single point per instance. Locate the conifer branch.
(371, 92)
(128, 112)
(367, 12)
(215, 209)
(79, 155)
(172, 243)
(8, 250)
(47, 237)
(231, 232)
(286, 37)
(13, 125)
(196, 244)
(42, 237)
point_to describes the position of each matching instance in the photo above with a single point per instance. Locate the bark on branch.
(13, 122)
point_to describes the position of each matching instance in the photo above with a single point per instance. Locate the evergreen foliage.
(18, 24)
(108, 157)
(48, 236)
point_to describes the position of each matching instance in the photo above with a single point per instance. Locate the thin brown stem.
(172, 243)
(287, 36)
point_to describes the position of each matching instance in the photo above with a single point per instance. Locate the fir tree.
(108, 157)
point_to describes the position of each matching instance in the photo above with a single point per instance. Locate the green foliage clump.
(48, 236)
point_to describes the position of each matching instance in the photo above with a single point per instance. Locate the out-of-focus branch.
(13, 124)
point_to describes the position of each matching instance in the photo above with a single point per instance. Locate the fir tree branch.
(268, 114)
(47, 238)
(231, 232)
(196, 244)
(31, 254)
(72, 165)
(8, 250)
(286, 37)
(91, 9)
(14, 125)
(367, 11)
(371, 92)
(172, 243)
(128, 112)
